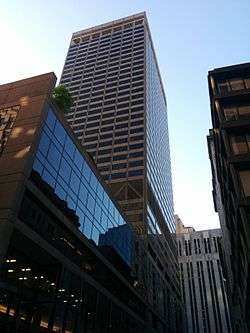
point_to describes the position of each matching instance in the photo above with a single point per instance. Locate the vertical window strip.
(205, 296)
(195, 299)
(212, 294)
(224, 295)
(195, 329)
(216, 295)
(203, 313)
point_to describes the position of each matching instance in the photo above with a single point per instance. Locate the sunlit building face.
(119, 115)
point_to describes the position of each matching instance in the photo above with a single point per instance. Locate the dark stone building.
(120, 116)
(66, 250)
(229, 150)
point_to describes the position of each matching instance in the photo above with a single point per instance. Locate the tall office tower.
(120, 117)
(66, 250)
(202, 281)
(228, 142)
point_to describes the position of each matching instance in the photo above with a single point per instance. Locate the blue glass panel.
(87, 227)
(54, 156)
(91, 204)
(71, 202)
(51, 120)
(78, 160)
(70, 147)
(104, 220)
(112, 209)
(44, 144)
(61, 181)
(83, 194)
(95, 235)
(106, 201)
(72, 195)
(81, 216)
(65, 170)
(48, 178)
(98, 213)
(93, 181)
(60, 192)
(40, 156)
(86, 171)
(74, 182)
(99, 191)
(110, 224)
(60, 133)
(50, 168)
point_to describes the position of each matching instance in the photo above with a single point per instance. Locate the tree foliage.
(62, 98)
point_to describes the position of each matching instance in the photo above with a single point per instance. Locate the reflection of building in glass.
(120, 117)
(202, 281)
(229, 143)
(120, 237)
(53, 207)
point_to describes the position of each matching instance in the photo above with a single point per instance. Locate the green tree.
(62, 98)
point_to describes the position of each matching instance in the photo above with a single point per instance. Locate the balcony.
(233, 86)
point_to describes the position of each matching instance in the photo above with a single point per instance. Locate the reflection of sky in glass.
(159, 168)
(63, 167)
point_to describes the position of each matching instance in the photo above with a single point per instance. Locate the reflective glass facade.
(158, 153)
(64, 168)
(56, 273)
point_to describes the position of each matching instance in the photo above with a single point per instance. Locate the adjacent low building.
(66, 250)
(202, 281)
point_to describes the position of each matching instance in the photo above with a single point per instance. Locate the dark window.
(92, 146)
(121, 133)
(108, 122)
(92, 124)
(104, 151)
(107, 129)
(108, 115)
(136, 138)
(104, 144)
(119, 157)
(136, 146)
(106, 136)
(119, 166)
(137, 115)
(119, 175)
(89, 139)
(136, 154)
(136, 163)
(103, 159)
(119, 149)
(123, 140)
(95, 131)
(119, 126)
(133, 173)
(136, 130)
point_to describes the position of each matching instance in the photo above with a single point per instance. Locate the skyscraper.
(228, 142)
(120, 117)
(202, 281)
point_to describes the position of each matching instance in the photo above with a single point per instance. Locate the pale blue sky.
(190, 38)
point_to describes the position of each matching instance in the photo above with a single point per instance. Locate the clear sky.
(190, 38)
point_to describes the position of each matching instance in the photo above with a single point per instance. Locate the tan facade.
(21, 105)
